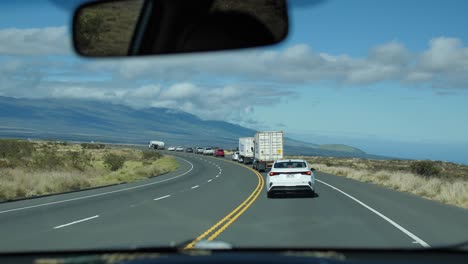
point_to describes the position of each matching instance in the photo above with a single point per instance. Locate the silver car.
(180, 148)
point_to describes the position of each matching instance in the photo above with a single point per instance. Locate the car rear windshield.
(220, 149)
(292, 164)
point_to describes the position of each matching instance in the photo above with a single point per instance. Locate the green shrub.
(425, 168)
(151, 155)
(114, 161)
(93, 146)
(79, 160)
(15, 149)
(47, 159)
(329, 164)
(4, 163)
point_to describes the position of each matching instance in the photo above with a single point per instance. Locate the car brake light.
(306, 173)
(273, 173)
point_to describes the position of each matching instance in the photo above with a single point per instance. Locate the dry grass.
(450, 192)
(450, 187)
(448, 170)
(137, 170)
(20, 183)
(27, 180)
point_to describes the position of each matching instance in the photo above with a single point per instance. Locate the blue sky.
(389, 77)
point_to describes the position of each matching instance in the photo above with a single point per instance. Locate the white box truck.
(246, 145)
(156, 144)
(268, 147)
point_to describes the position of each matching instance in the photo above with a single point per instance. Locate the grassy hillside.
(36, 168)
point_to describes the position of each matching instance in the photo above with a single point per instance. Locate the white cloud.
(392, 53)
(218, 86)
(445, 59)
(445, 54)
(35, 41)
(180, 91)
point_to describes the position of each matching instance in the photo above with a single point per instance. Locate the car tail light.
(306, 173)
(273, 173)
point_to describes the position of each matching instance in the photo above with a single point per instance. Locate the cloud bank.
(37, 63)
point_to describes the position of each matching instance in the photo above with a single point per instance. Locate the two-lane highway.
(214, 198)
(171, 208)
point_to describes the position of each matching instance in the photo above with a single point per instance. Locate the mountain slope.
(80, 120)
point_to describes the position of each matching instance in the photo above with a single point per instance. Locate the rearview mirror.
(149, 27)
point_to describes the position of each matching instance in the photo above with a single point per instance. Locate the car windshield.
(372, 95)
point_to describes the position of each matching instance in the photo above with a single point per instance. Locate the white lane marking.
(101, 194)
(210, 180)
(402, 229)
(217, 176)
(193, 187)
(162, 197)
(76, 222)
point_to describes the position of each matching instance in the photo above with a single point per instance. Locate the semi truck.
(268, 147)
(156, 144)
(246, 145)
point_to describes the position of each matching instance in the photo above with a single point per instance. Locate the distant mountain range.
(81, 120)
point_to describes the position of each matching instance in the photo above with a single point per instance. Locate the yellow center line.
(226, 221)
(234, 218)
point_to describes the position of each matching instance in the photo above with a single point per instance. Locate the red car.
(219, 153)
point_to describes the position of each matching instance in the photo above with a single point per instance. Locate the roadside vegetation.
(441, 181)
(106, 29)
(36, 168)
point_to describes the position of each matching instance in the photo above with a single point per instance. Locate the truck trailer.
(268, 147)
(246, 145)
(156, 145)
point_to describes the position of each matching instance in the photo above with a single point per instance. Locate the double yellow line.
(224, 223)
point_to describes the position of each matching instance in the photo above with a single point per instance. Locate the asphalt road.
(214, 198)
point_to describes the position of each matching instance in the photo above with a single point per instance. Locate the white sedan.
(290, 176)
(179, 148)
(208, 151)
(171, 148)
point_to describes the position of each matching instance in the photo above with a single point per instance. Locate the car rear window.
(290, 165)
(220, 149)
